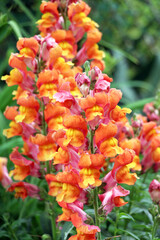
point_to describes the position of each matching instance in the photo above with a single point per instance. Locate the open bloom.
(64, 186)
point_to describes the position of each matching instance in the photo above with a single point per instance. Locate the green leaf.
(4, 234)
(115, 48)
(4, 32)
(109, 238)
(67, 228)
(141, 212)
(46, 237)
(121, 76)
(15, 28)
(134, 83)
(139, 103)
(129, 233)
(123, 215)
(11, 144)
(3, 19)
(25, 10)
(6, 97)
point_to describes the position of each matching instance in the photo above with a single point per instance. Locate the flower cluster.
(69, 120)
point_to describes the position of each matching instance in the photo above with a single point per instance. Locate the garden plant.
(83, 165)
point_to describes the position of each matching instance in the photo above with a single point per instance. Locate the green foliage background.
(131, 40)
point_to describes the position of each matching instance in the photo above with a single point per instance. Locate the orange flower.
(135, 145)
(49, 18)
(62, 156)
(114, 97)
(89, 173)
(14, 130)
(94, 106)
(76, 130)
(15, 77)
(66, 41)
(11, 112)
(69, 84)
(94, 53)
(47, 146)
(23, 166)
(99, 63)
(107, 144)
(29, 107)
(28, 47)
(23, 189)
(118, 114)
(47, 83)
(54, 115)
(64, 186)
(85, 232)
(124, 162)
(77, 14)
(16, 62)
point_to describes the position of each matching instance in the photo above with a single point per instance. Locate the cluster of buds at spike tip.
(69, 120)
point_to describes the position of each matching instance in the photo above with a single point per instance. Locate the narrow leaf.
(123, 215)
(139, 103)
(15, 28)
(115, 48)
(129, 233)
(25, 10)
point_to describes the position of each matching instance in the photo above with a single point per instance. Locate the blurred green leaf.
(11, 144)
(6, 97)
(139, 103)
(4, 32)
(3, 19)
(129, 233)
(124, 215)
(25, 10)
(15, 28)
(115, 48)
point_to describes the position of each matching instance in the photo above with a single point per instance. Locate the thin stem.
(130, 206)
(96, 211)
(116, 223)
(53, 219)
(53, 225)
(155, 215)
(91, 142)
(95, 202)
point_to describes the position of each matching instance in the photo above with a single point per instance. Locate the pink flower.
(111, 198)
(4, 177)
(154, 190)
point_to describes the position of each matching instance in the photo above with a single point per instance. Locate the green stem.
(155, 215)
(45, 133)
(53, 219)
(130, 206)
(116, 223)
(53, 225)
(96, 211)
(91, 142)
(95, 201)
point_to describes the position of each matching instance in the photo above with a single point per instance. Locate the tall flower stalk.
(70, 121)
